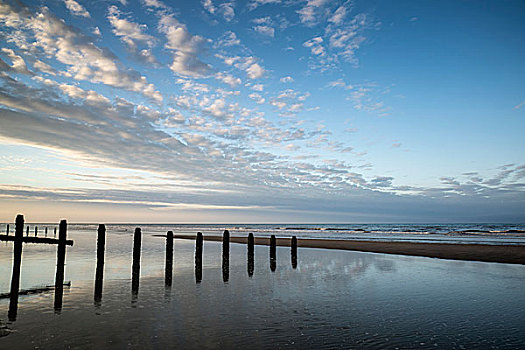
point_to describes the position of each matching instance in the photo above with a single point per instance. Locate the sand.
(509, 254)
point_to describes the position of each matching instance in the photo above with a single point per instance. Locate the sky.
(262, 111)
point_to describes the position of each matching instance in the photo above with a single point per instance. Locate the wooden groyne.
(19, 240)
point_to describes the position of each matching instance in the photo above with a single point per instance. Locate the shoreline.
(508, 254)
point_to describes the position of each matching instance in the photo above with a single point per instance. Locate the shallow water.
(439, 233)
(333, 299)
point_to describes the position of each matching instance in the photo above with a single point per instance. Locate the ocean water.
(333, 299)
(439, 233)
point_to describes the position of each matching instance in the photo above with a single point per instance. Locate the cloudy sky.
(262, 111)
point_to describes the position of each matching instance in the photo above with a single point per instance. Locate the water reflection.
(294, 252)
(17, 260)
(250, 254)
(99, 274)
(61, 260)
(135, 274)
(168, 271)
(198, 258)
(273, 255)
(386, 302)
(226, 256)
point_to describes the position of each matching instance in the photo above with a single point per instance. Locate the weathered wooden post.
(168, 271)
(61, 258)
(135, 274)
(226, 256)
(198, 258)
(294, 252)
(250, 254)
(7, 230)
(36, 230)
(17, 260)
(273, 253)
(99, 273)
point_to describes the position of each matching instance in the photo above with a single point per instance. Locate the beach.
(509, 254)
(320, 298)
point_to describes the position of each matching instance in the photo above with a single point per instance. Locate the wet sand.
(509, 254)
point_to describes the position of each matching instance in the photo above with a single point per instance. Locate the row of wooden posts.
(18, 240)
(27, 231)
(137, 241)
(62, 242)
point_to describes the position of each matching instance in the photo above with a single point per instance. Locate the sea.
(329, 299)
(491, 233)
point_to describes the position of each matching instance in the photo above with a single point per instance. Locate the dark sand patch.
(509, 254)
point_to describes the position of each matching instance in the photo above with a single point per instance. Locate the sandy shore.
(509, 254)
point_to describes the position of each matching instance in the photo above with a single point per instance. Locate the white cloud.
(248, 64)
(228, 79)
(278, 104)
(227, 11)
(44, 67)
(308, 14)
(228, 39)
(339, 15)
(187, 48)
(255, 71)
(257, 98)
(155, 4)
(256, 3)
(287, 79)
(18, 64)
(265, 30)
(262, 20)
(315, 46)
(131, 33)
(296, 107)
(76, 9)
(257, 87)
(85, 61)
(208, 5)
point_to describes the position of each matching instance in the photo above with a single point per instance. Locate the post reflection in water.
(61, 258)
(294, 252)
(226, 256)
(99, 274)
(17, 260)
(168, 273)
(198, 258)
(273, 253)
(135, 274)
(250, 255)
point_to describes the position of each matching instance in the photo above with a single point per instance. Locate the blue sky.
(262, 111)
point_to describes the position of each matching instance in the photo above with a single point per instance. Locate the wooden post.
(7, 230)
(198, 258)
(17, 260)
(61, 258)
(273, 253)
(36, 230)
(226, 256)
(99, 274)
(135, 274)
(250, 254)
(168, 271)
(294, 252)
